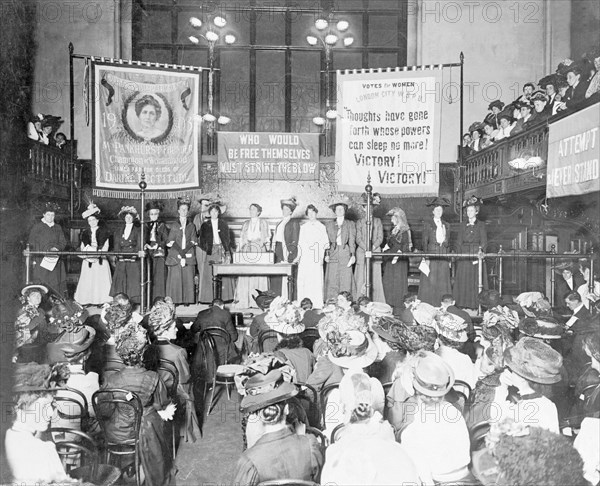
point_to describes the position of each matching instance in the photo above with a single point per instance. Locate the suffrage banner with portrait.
(389, 127)
(144, 121)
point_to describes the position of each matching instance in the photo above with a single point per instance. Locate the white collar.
(340, 221)
(48, 224)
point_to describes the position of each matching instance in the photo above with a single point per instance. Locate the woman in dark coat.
(126, 279)
(181, 257)
(395, 272)
(471, 236)
(436, 234)
(214, 240)
(155, 450)
(156, 234)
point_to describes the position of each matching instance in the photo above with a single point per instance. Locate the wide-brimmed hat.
(340, 201)
(379, 309)
(355, 349)
(534, 360)
(490, 298)
(432, 376)
(472, 201)
(539, 96)
(524, 104)
(264, 298)
(266, 389)
(508, 115)
(564, 266)
(389, 328)
(34, 377)
(39, 287)
(290, 202)
(476, 127)
(451, 326)
(51, 207)
(284, 317)
(154, 204)
(497, 103)
(70, 345)
(128, 210)
(68, 315)
(91, 210)
(438, 201)
(162, 315)
(541, 327)
(363, 200)
(548, 79)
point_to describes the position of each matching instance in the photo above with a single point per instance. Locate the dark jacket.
(216, 317)
(561, 288)
(206, 236)
(102, 235)
(471, 237)
(162, 233)
(430, 243)
(291, 232)
(176, 232)
(348, 235)
(131, 244)
(573, 97)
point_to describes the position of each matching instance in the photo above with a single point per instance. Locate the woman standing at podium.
(253, 240)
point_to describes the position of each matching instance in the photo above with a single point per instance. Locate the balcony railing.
(48, 170)
(488, 173)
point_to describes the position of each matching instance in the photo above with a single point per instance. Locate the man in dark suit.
(568, 281)
(216, 316)
(580, 313)
(575, 94)
(578, 327)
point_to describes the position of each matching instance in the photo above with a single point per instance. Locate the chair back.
(170, 378)
(323, 395)
(460, 395)
(74, 447)
(309, 336)
(119, 413)
(336, 433)
(309, 397)
(217, 335)
(477, 435)
(320, 438)
(267, 341)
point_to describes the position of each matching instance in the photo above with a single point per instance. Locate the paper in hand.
(424, 267)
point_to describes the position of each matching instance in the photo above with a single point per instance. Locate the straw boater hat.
(290, 202)
(340, 201)
(38, 287)
(534, 360)
(432, 376)
(91, 210)
(451, 326)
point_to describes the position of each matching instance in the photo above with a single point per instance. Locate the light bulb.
(331, 39)
(220, 21)
(348, 41)
(229, 39)
(321, 24)
(312, 40)
(193, 39)
(331, 114)
(209, 117)
(319, 121)
(212, 36)
(195, 22)
(223, 120)
(343, 25)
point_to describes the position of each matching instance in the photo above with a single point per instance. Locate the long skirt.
(432, 287)
(338, 275)
(127, 280)
(395, 282)
(205, 284)
(278, 284)
(180, 284)
(155, 450)
(466, 283)
(158, 277)
(227, 283)
(56, 279)
(94, 283)
(377, 293)
(311, 281)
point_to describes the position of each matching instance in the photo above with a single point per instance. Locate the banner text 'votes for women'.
(144, 121)
(388, 127)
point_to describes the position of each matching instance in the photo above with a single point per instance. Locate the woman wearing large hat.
(495, 107)
(127, 268)
(285, 241)
(395, 271)
(28, 324)
(435, 274)
(275, 450)
(437, 439)
(47, 235)
(341, 253)
(95, 279)
(156, 235)
(472, 235)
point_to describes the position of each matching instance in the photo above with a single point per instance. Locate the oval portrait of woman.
(148, 117)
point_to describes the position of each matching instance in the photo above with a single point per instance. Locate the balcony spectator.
(594, 87)
(61, 142)
(528, 90)
(476, 131)
(506, 125)
(550, 85)
(495, 108)
(578, 86)
(34, 127)
(541, 110)
(465, 149)
(527, 117)
(489, 134)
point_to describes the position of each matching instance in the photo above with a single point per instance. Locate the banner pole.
(143, 185)
(461, 191)
(367, 270)
(72, 133)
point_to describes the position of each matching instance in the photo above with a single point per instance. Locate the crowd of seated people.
(573, 85)
(416, 387)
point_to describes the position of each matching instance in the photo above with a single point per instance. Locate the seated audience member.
(540, 107)
(114, 317)
(386, 336)
(275, 451)
(489, 136)
(577, 89)
(155, 450)
(284, 318)
(74, 336)
(452, 336)
(30, 320)
(436, 437)
(162, 322)
(531, 367)
(60, 140)
(344, 301)
(365, 452)
(506, 121)
(587, 386)
(519, 454)
(448, 304)
(528, 117)
(587, 443)
(263, 301)
(311, 317)
(30, 459)
(593, 91)
(417, 312)
(549, 85)
(476, 131)
(495, 107)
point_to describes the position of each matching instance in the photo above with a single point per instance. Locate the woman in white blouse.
(95, 279)
(253, 240)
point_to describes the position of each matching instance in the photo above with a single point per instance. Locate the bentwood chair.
(116, 404)
(267, 341)
(309, 336)
(323, 396)
(309, 397)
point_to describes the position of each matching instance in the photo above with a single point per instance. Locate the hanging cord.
(86, 91)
